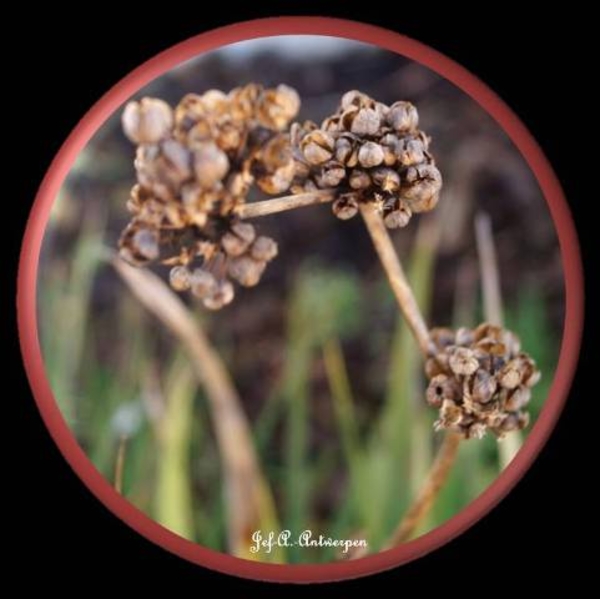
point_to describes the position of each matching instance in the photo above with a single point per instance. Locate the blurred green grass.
(364, 466)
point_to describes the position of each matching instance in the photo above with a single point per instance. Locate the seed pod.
(245, 270)
(450, 415)
(386, 178)
(442, 387)
(476, 430)
(359, 179)
(145, 244)
(399, 216)
(203, 283)
(353, 98)
(330, 175)
(148, 121)
(210, 164)
(370, 154)
(518, 399)
(421, 186)
(365, 122)
(464, 336)
(512, 374)
(189, 111)
(345, 206)
(484, 386)
(463, 361)
(442, 336)
(238, 239)
(410, 152)
(317, 147)
(264, 249)
(180, 278)
(403, 117)
(343, 149)
(222, 296)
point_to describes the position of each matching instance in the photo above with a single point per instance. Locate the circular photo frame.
(480, 359)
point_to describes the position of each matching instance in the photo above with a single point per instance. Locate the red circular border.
(111, 101)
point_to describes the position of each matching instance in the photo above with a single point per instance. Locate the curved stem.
(266, 207)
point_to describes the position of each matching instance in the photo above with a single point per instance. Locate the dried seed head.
(484, 386)
(403, 117)
(277, 107)
(410, 152)
(343, 149)
(264, 249)
(399, 216)
(463, 361)
(512, 374)
(245, 270)
(345, 206)
(330, 175)
(517, 399)
(180, 278)
(203, 283)
(442, 387)
(354, 98)
(147, 121)
(359, 179)
(464, 336)
(450, 415)
(370, 154)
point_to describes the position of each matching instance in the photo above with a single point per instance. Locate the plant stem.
(120, 464)
(396, 277)
(423, 503)
(248, 498)
(266, 207)
(509, 446)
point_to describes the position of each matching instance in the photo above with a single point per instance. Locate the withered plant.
(196, 165)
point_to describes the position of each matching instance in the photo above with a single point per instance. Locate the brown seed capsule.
(512, 374)
(317, 147)
(410, 152)
(264, 249)
(148, 121)
(464, 336)
(433, 367)
(222, 296)
(398, 217)
(403, 117)
(203, 283)
(476, 430)
(245, 270)
(277, 107)
(189, 111)
(180, 278)
(463, 361)
(343, 149)
(442, 336)
(370, 154)
(533, 378)
(330, 175)
(345, 206)
(484, 386)
(518, 399)
(365, 122)
(359, 179)
(421, 186)
(442, 387)
(450, 415)
(485, 329)
(278, 181)
(144, 244)
(386, 178)
(210, 164)
(353, 98)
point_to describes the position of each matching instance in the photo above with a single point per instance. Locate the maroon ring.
(107, 105)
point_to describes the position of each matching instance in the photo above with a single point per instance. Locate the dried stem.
(395, 274)
(423, 503)
(266, 207)
(488, 268)
(248, 498)
(120, 464)
(509, 446)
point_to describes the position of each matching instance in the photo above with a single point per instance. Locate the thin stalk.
(248, 498)
(120, 464)
(493, 313)
(266, 207)
(424, 501)
(396, 277)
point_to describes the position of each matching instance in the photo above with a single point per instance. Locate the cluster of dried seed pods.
(195, 166)
(480, 380)
(369, 152)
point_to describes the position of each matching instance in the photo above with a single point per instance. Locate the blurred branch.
(265, 207)
(249, 502)
(509, 446)
(396, 277)
(438, 474)
(120, 464)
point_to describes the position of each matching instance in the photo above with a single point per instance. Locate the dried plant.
(195, 167)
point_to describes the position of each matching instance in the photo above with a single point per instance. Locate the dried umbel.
(369, 152)
(480, 380)
(195, 166)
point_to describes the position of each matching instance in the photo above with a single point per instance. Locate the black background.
(539, 66)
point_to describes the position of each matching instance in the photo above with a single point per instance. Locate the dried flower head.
(374, 150)
(479, 380)
(195, 166)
